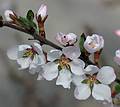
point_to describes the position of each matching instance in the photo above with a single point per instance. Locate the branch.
(34, 35)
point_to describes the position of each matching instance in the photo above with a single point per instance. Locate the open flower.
(7, 14)
(95, 82)
(117, 57)
(63, 64)
(66, 39)
(94, 43)
(27, 56)
(42, 11)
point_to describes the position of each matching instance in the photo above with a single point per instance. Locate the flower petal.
(91, 69)
(7, 15)
(78, 79)
(24, 47)
(117, 60)
(50, 71)
(82, 92)
(24, 62)
(12, 53)
(64, 78)
(42, 11)
(37, 47)
(71, 52)
(106, 75)
(53, 55)
(72, 38)
(101, 92)
(77, 66)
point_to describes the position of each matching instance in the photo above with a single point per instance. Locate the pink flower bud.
(68, 39)
(42, 11)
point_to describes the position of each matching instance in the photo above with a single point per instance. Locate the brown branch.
(34, 35)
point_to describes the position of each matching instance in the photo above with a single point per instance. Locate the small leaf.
(81, 42)
(117, 88)
(30, 15)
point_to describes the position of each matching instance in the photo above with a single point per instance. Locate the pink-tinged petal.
(64, 78)
(42, 11)
(12, 53)
(106, 75)
(7, 15)
(82, 92)
(37, 47)
(91, 69)
(50, 71)
(71, 52)
(72, 38)
(53, 55)
(77, 67)
(62, 38)
(101, 92)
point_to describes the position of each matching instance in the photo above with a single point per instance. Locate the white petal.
(42, 11)
(39, 77)
(53, 55)
(82, 92)
(24, 62)
(12, 53)
(72, 52)
(91, 69)
(106, 75)
(72, 38)
(101, 92)
(77, 67)
(117, 60)
(64, 78)
(78, 79)
(24, 47)
(50, 71)
(7, 14)
(37, 47)
(39, 59)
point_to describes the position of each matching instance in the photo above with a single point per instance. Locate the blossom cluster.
(66, 65)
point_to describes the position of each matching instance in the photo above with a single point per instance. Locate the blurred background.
(19, 88)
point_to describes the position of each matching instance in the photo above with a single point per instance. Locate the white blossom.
(63, 64)
(66, 39)
(7, 15)
(42, 11)
(95, 82)
(117, 57)
(94, 43)
(27, 56)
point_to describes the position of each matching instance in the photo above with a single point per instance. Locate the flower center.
(30, 52)
(64, 62)
(91, 80)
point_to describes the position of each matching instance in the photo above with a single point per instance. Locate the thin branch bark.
(35, 36)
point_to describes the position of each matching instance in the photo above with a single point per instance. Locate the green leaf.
(27, 23)
(81, 42)
(30, 15)
(117, 88)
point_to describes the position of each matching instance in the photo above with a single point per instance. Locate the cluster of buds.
(68, 64)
